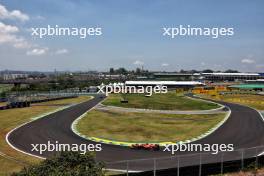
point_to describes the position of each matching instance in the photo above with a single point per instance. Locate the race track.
(244, 128)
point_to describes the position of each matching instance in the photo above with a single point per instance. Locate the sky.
(132, 35)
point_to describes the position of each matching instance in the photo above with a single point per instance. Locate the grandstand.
(169, 84)
(232, 76)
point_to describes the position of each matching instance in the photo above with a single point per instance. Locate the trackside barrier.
(22, 104)
(31, 97)
(198, 164)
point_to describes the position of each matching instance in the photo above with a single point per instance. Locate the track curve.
(244, 128)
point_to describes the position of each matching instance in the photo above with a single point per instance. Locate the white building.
(14, 76)
(165, 83)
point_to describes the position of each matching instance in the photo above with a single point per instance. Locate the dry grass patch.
(168, 101)
(254, 101)
(146, 127)
(12, 118)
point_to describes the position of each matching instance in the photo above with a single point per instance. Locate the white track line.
(121, 170)
(33, 119)
(6, 138)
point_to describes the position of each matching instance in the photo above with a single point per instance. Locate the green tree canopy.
(65, 164)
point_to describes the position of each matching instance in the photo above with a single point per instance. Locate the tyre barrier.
(3, 99)
(23, 104)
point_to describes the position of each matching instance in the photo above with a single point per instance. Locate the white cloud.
(62, 51)
(39, 17)
(37, 51)
(7, 28)
(203, 63)
(7, 38)
(15, 14)
(165, 65)
(22, 44)
(8, 35)
(138, 62)
(248, 61)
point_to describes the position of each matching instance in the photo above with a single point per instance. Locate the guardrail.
(197, 164)
(26, 103)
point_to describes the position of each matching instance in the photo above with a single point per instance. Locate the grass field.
(169, 101)
(255, 101)
(11, 118)
(2, 103)
(145, 127)
(4, 87)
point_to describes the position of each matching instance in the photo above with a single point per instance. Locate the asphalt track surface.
(244, 128)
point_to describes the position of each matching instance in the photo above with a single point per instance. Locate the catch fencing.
(196, 164)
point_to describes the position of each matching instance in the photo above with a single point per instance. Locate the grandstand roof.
(232, 74)
(172, 83)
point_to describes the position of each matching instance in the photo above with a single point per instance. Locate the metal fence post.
(127, 167)
(178, 166)
(154, 171)
(242, 159)
(256, 163)
(200, 165)
(222, 163)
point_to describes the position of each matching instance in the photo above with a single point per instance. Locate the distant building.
(174, 76)
(258, 81)
(208, 76)
(92, 89)
(169, 84)
(232, 76)
(13, 76)
(112, 76)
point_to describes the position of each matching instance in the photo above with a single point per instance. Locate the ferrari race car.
(147, 146)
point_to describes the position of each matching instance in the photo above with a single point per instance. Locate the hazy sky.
(132, 35)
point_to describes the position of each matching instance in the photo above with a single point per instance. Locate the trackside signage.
(121, 88)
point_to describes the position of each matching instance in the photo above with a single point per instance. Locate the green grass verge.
(5, 87)
(169, 101)
(12, 118)
(146, 127)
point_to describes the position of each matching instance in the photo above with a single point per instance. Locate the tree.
(208, 71)
(121, 71)
(112, 71)
(3, 94)
(194, 71)
(231, 71)
(66, 163)
(138, 71)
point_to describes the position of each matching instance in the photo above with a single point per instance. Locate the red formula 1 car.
(147, 146)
